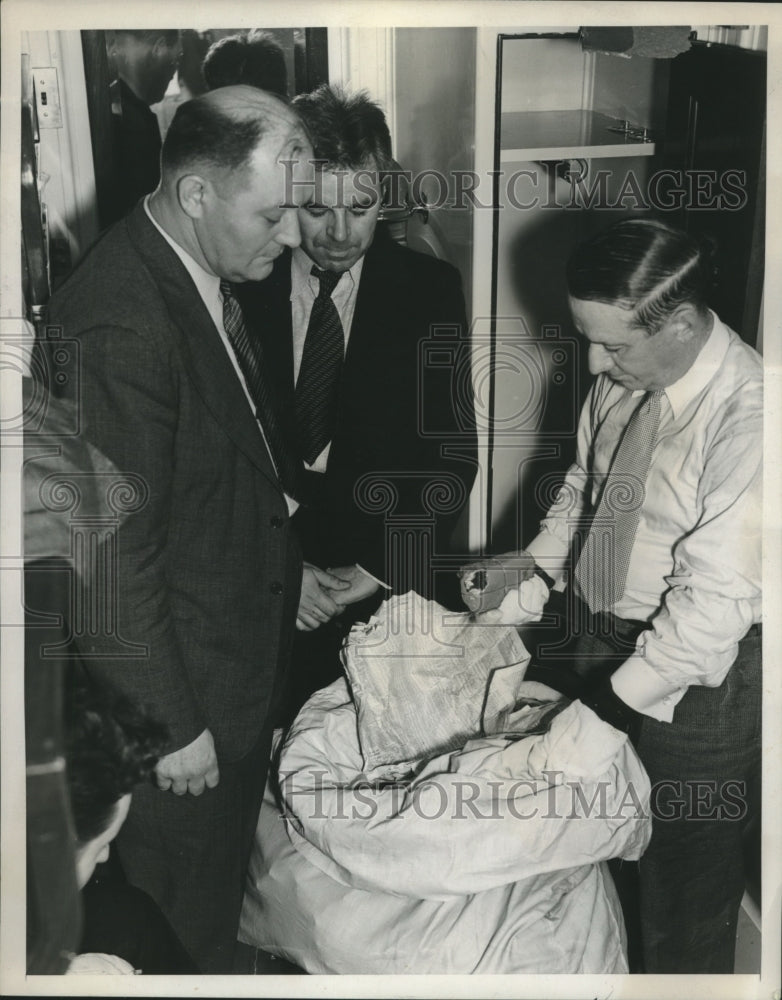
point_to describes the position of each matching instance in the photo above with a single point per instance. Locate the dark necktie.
(317, 387)
(249, 354)
(602, 567)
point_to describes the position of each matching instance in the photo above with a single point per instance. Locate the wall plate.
(47, 97)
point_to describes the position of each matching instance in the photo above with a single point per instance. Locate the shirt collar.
(703, 369)
(302, 264)
(208, 285)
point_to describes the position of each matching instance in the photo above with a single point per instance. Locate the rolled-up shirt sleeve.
(695, 573)
(714, 590)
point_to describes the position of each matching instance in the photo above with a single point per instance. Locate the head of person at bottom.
(352, 147)
(637, 293)
(235, 164)
(110, 746)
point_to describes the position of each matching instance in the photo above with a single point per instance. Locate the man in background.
(344, 320)
(196, 614)
(252, 57)
(189, 76)
(145, 62)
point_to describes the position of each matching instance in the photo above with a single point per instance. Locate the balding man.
(206, 581)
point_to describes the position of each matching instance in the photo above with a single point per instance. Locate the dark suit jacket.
(202, 595)
(137, 146)
(405, 413)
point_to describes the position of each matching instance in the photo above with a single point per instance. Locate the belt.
(628, 629)
(615, 631)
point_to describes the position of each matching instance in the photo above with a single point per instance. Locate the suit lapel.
(267, 310)
(199, 343)
(267, 313)
(379, 290)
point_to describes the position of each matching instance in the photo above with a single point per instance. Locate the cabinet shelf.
(556, 135)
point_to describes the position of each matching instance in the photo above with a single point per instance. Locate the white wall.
(435, 124)
(425, 80)
(533, 414)
(66, 173)
(540, 371)
(528, 83)
(363, 59)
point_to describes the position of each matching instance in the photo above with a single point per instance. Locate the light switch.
(47, 97)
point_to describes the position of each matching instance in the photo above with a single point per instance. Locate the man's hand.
(523, 604)
(190, 769)
(317, 600)
(359, 585)
(486, 582)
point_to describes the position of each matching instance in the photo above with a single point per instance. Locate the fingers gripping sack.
(485, 583)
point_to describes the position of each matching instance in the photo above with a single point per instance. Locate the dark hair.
(252, 57)
(346, 131)
(645, 266)
(170, 35)
(202, 133)
(110, 746)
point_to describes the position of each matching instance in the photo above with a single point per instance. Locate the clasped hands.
(326, 593)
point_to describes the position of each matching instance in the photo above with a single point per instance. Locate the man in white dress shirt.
(665, 599)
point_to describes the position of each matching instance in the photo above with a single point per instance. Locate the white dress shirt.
(695, 565)
(208, 287)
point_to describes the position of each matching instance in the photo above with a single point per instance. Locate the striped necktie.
(249, 354)
(317, 387)
(602, 567)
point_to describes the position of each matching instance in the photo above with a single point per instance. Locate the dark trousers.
(705, 773)
(190, 853)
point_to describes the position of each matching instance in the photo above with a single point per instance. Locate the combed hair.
(110, 746)
(346, 131)
(252, 57)
(203, 134)
(645, 266)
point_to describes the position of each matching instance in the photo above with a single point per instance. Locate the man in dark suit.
(196, 612)
(374, 382)
(145, 61)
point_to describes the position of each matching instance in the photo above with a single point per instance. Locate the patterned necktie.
(602, 568)
(249, 354)
(317, 387)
